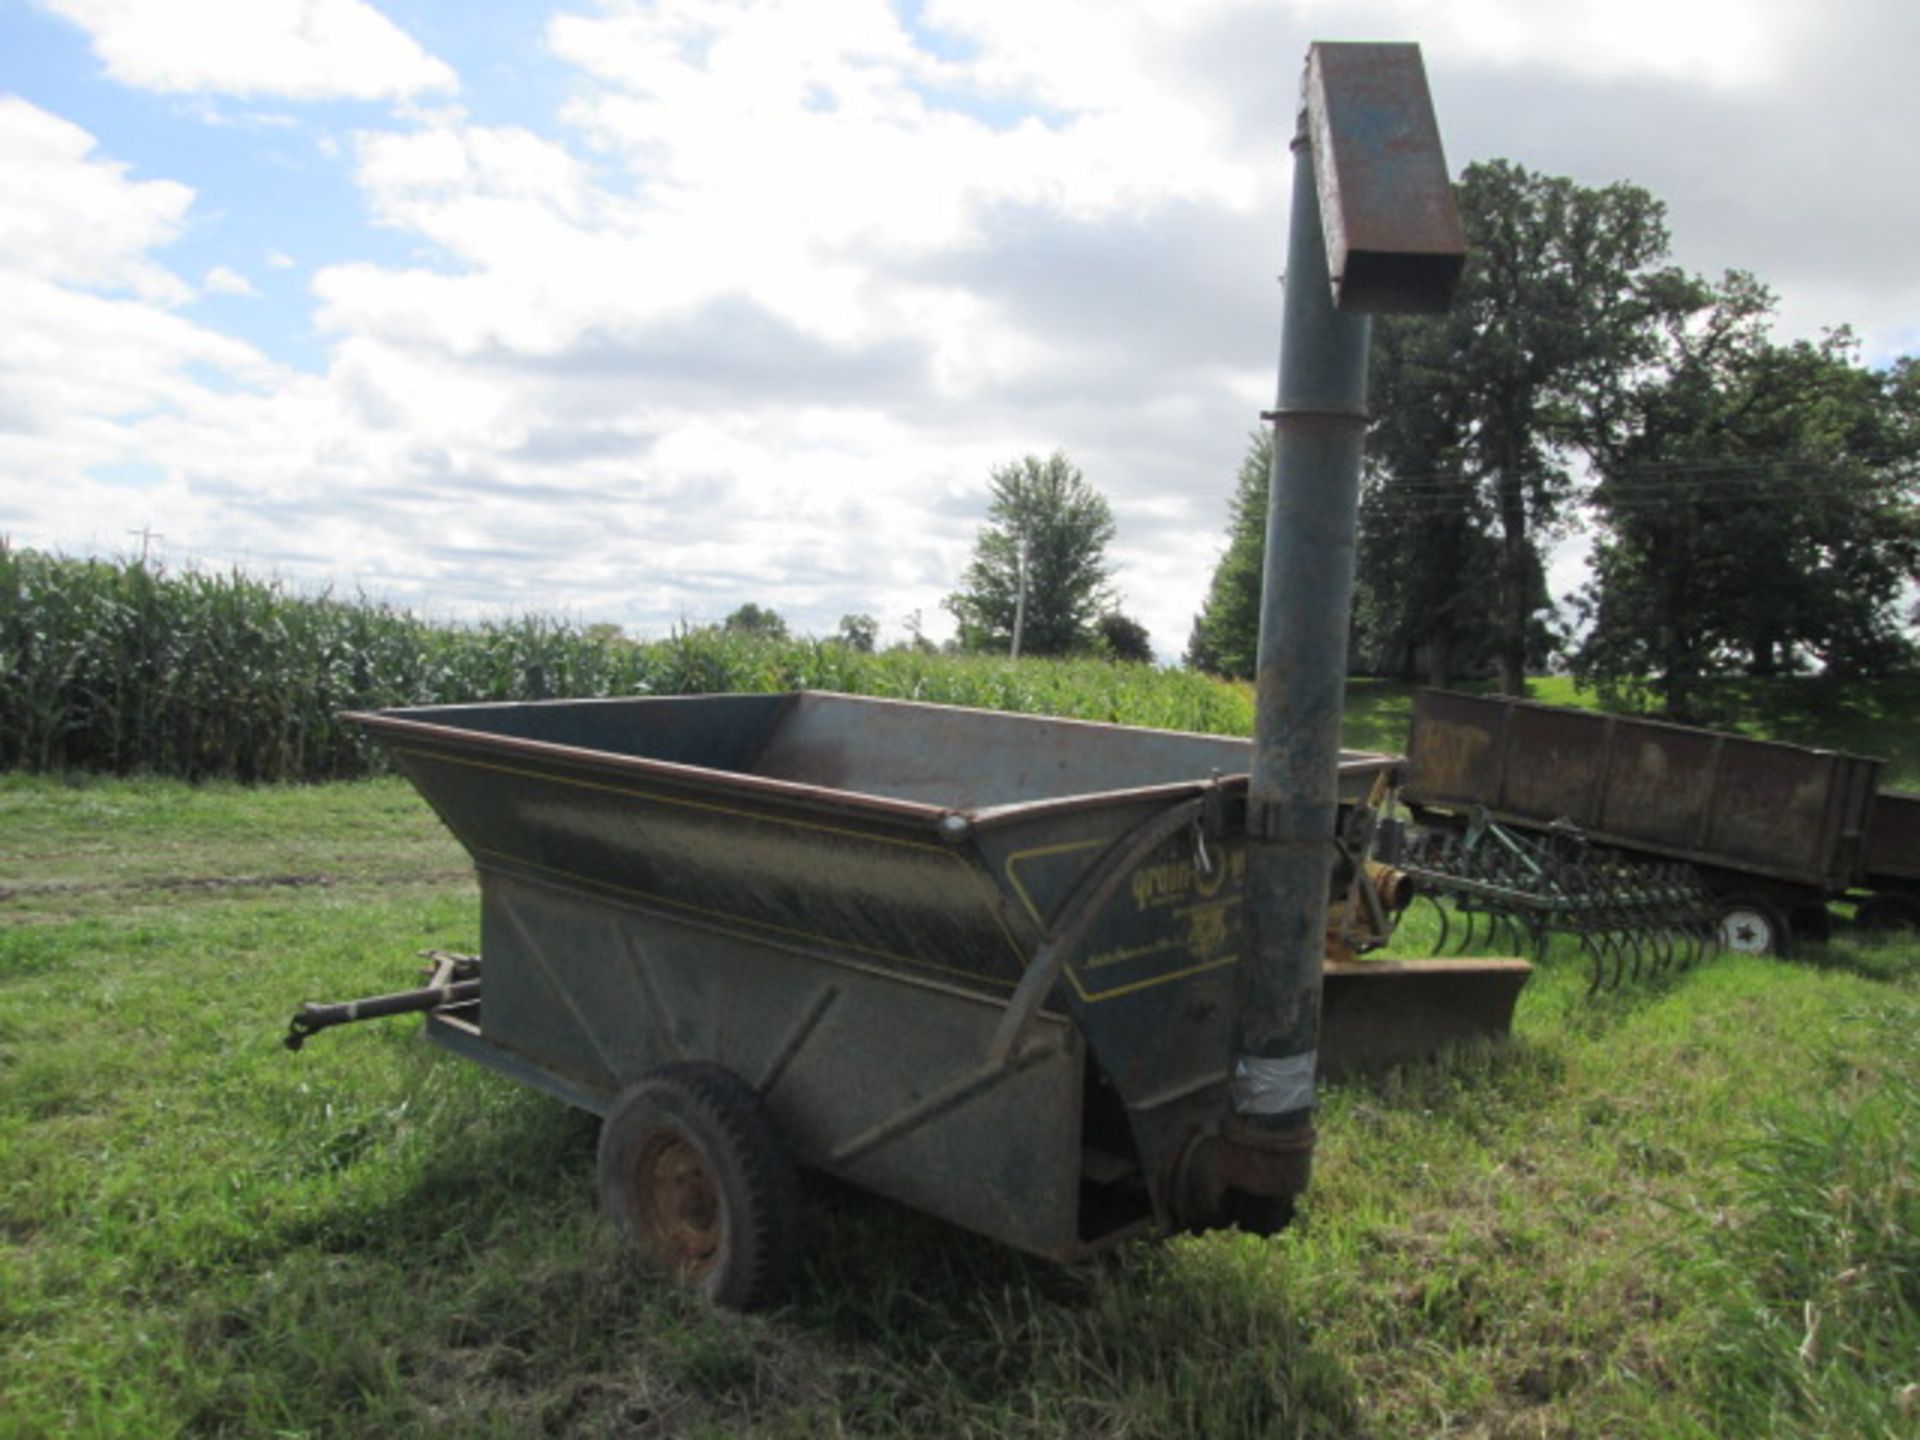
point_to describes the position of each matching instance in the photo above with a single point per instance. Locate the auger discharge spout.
(1373, 228)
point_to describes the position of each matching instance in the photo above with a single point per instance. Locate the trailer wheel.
(693, 1173)
(1752, 926)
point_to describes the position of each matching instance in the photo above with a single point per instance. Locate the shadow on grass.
(483, 1292)
(1890, 957)
(1195, 1335)
(479, 1168)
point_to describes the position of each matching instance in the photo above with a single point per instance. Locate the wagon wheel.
(1749, 925)
(693, 1172)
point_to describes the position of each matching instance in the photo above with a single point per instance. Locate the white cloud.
(771, 228)
(1727, 44)
(756, 316)
(280, 260)
(68, 217)
(83, 377)
(286, 49)
(224, 280)
(91, 351)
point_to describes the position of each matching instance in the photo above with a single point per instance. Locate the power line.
(1437, 509)
(1648, 478)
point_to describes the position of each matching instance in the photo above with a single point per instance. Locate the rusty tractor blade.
(1379, 1013)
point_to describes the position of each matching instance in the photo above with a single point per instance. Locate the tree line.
(1752, 504)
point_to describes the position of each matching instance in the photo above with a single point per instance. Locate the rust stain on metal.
(1380, 1013)
(1714, 799)
(1394, 237)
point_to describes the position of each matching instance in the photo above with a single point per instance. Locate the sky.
(635, 313)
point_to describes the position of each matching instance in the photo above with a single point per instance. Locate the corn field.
(125, 667)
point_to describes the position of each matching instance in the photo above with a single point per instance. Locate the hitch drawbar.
(453, 980)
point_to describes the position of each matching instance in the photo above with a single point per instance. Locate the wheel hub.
(681, 1215)
(1746, 931)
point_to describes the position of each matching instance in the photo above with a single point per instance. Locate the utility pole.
(1020, 597)
(147, 536)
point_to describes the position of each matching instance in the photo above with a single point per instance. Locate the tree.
(1758, 504)
(1427, 561)
(858, 632)
(1558, 302)
(1047, 509)
(751, 619)
(1124, 638)
(916, 642)
(1226, 632)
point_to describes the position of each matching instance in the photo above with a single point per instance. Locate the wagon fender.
(1083, 906)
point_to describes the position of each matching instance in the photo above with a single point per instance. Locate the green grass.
(1688, 1210)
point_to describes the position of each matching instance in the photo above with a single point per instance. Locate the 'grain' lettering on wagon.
(1177, 880)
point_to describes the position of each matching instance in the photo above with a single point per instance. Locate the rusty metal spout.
(1243, 1175)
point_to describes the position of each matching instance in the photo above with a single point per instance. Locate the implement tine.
(1541, 932)
(1509, 932)
(1512, 890)
(1640, 945)
(1660, 937)
(1596, 966)
(1471, 919)
(1610, 942)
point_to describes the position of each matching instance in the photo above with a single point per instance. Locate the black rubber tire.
(694, 1174)
(1750, 925)
(1891, 911)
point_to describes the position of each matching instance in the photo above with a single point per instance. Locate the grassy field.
(1684, 1211)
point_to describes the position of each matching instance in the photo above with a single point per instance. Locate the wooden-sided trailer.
(1775, 830)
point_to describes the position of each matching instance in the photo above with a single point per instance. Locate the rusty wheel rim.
(682, 1217)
